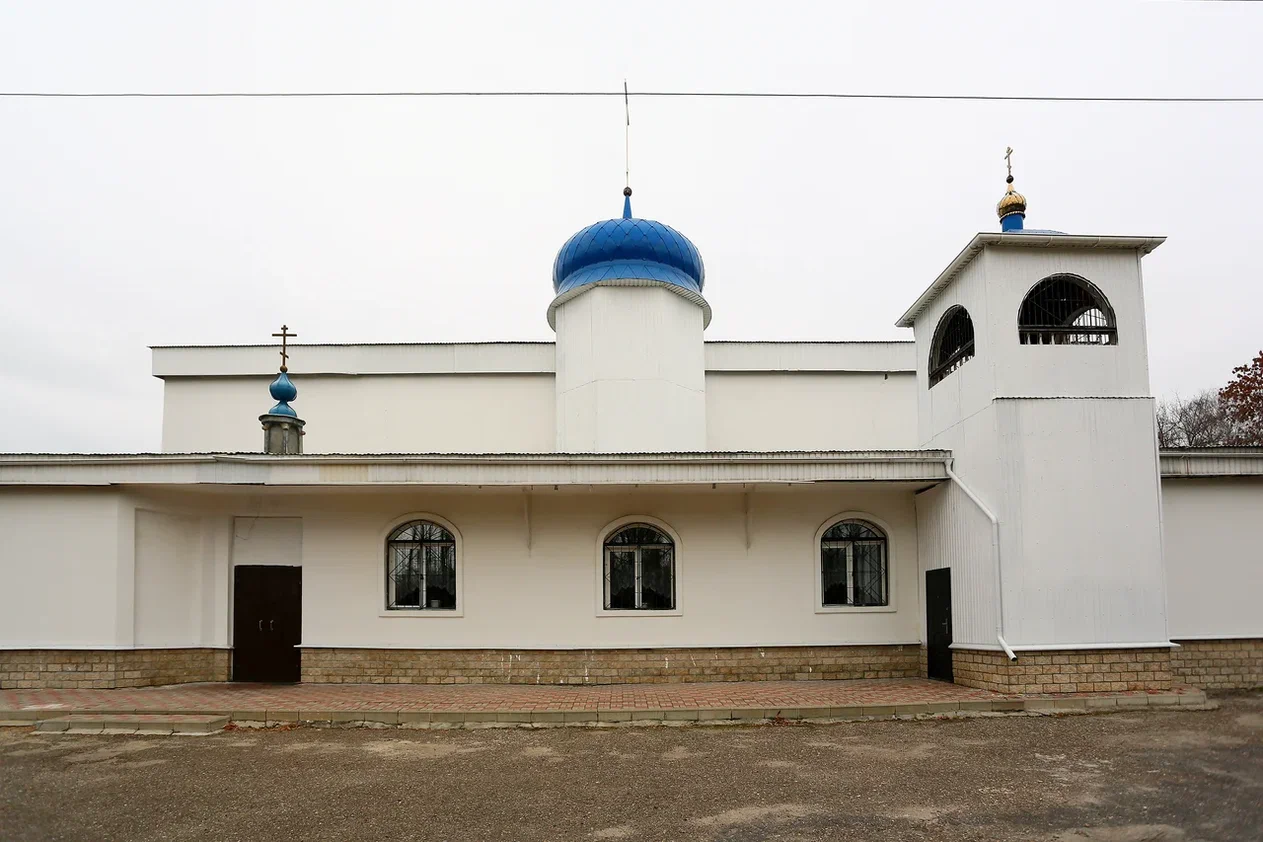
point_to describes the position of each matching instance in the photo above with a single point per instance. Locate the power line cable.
(656, 94)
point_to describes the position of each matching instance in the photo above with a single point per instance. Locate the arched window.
(953, 343)
(1066, 310)
(421, 568)
(853, 565)
(639, 569)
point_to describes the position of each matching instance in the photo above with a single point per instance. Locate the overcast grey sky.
(125, 223)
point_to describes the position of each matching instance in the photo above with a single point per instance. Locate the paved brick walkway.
(770, 695)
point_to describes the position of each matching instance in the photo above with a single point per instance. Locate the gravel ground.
(1139, 777)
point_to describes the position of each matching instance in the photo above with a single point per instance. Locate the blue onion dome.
(283, 391)
(282, 388)
(628, 249)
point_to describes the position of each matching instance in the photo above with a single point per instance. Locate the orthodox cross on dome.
(627, 134)
(1012, 205)
(285, 336)
(627, 191)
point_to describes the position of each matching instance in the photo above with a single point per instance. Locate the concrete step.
(133, 723)
(212, 718)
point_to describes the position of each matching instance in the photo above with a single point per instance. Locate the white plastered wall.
(810, 411)
(747, 567)
(180, 566)
(1081, 530)
(437, 413)
(397, 413)
(66, 568)
(493, 397)
(267, 540)
(1214, 556)
(630, 372)
(530, 571)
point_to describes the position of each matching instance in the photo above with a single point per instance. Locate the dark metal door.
(938, 623)
(267, 623)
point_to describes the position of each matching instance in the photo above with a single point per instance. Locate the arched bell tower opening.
(953, 343)
(1066, 309)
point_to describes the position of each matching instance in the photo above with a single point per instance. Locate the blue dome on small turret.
(283, 391)
(628, 248)
(282, 388)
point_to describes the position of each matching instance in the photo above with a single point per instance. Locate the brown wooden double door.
(267, 623)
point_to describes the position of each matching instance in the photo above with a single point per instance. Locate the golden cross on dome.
(285, 336)
(1008, 160)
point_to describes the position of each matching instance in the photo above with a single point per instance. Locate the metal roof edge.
(471, 470)
(1210, 462)
(810, 342)
(1247, 450)
(36, 459)
(213, 346)
(357, 344)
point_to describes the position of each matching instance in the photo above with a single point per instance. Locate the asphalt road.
(1123, 777)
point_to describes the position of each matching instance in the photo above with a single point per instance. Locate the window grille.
(1066, 310)
(421, 568)
(639, 569)
(853, 565)
(953, 343)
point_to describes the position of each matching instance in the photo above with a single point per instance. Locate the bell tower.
(1033, 370)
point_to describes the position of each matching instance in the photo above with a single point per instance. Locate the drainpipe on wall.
(995, 557)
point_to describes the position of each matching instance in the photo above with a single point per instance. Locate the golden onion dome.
(1011, 202)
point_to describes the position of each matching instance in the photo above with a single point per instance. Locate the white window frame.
(817, 561)
(380, 569)
(601, 558)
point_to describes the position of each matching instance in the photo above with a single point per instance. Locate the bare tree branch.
(1199, 421)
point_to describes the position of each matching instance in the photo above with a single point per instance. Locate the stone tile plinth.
(102, 669)
(1229, 664)
(607, 666)
(1064, 671)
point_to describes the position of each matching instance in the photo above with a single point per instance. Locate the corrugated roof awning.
(467, 469)
(525, 469)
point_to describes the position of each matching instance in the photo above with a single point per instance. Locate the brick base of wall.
(1064, 671)
(606, 666)
(1219, 664)
(108, 669)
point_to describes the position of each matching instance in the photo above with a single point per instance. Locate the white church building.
(633, 503)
